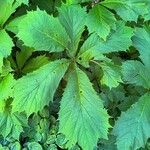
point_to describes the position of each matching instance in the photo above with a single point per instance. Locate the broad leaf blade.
(118, 40)
(42, 32)
(6, 45)
(100, 20)
(90, 50)
(7, 7)
(141, 41)
(6, 85)
(12, 124)
(133, 127)
(82, 116)
(37, 89)
(73, 19)
(111, 74)
(94, 47)
(134, 72)
(129, 10)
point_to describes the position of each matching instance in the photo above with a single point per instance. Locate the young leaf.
(73, 20)
(141, 41)
(134, 72)
(42, 32)
(33, 91)
(129, 10)
(100, 20)
(82, 117)
(133, 127)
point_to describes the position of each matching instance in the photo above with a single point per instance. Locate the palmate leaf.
(141, 41)
(82, 116)
(73, 20)
(33, 91)
(6, 45)
(134, 72)
(93, 47)
(133, 127)
(46, 33)
(129, 10)
(100, 20)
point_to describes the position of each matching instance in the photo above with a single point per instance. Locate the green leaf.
(70, 2)
(94, 47)
(133, 127)
(90, 50)
(46, 33)
(82, 116)
(49, 6)
(141, 41)
(134, 72)
(6, 85)
(118, 40)
(34, 146)
(73, 19)
(22, 56)
(100, 20)
(13, 25)
(111, 74)
(15, 146)
(35, 63)
(129, 10)
(6, 45)
(37, 89)
(11, 124)
(8, 7)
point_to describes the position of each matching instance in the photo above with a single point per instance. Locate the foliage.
(74, 74)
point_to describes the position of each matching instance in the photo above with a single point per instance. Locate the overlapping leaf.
(37, 89)
(129, 10)
(118, 40)
(8, 7)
